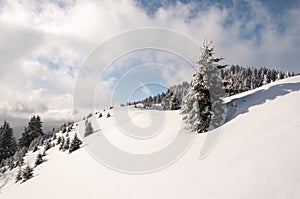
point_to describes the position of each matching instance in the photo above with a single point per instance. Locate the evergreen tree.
(67, 144)
(25, 139)
(27, 173)
(61, 147)
(279, 75)
(19, 157)
(39, 159)
(202, 105)
(100, 115)
(167, 99)
(108, 115)
(75, 144)
(8, 143)
(1, 164)
(174, 103)
(158, 99)
(59, 140)
(88, 129)
(11, 163)
(47, 145)
(266, 80)
(64, 130)
(31, 132)
(89, 115)
(35, 148)
(19, 175)
(35, 127)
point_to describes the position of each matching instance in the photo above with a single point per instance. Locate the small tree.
(35, 148)
(89, 115)
(39, 159)
(75, 144)
(108, 115)
(19, 175)
(27, 173)
(19, 157)
(67, 144)
(64, 130)
(88, 129)
(100, 115)
(58, 140)
(47, 145)
(62, 143)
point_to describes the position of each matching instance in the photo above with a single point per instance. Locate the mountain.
(255, 156)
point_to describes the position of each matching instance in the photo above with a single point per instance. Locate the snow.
(257, 156)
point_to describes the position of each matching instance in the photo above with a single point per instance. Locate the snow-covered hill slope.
(257, 156)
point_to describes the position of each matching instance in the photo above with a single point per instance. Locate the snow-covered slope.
(257, 156)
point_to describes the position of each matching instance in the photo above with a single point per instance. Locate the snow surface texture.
(257, 156)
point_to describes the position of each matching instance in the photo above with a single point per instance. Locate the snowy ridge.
(256, 157)
(240, 103)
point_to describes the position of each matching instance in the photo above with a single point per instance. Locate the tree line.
(12, 152)
(235, 79)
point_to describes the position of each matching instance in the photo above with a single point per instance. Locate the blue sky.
(44, 43)
(240, 9)
(275, 7)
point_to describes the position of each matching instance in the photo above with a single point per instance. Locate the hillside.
(256, 156)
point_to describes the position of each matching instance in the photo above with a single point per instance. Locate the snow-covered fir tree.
(27, 173)
(75, 144)
(35, 148)
(8, 143)
(31, 132)
(202, 106)
(59, 140)
(19, 157)
(67, 144)
(19, 175)
(47, 145)
(62, 143)
(39, 159)
(88, 129)
(44, 153)
(170, 102)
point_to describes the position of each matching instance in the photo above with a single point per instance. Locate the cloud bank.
(43, 43)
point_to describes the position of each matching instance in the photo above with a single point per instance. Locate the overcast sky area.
(44, 43)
